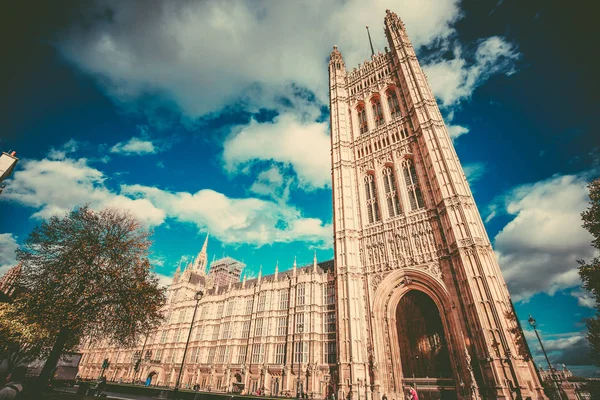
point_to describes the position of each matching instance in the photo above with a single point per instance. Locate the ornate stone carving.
(406, 281)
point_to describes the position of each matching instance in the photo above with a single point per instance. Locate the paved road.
(113, 395)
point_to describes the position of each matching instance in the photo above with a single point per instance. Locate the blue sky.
(212, 117)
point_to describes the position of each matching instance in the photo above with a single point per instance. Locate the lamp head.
(532, 322)
(199, 295)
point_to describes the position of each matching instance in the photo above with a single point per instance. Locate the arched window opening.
(391, 194)
(371, 195)
(362, 119)
(412, 185)
(393, 103)
(377, 111)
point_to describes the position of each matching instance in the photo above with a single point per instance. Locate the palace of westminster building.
(414, 294)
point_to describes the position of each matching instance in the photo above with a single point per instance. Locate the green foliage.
(590, 272)
(87, 275)
(517, 332)
(20, 340)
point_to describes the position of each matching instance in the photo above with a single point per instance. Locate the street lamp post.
(197, 297)
(533, 324)
(299, 385)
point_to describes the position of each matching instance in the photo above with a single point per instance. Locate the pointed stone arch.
(387, 354)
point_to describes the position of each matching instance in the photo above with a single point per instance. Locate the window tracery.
(377, 111)
(415, 195)
(391, 193)
(362, 119)
(393, 103)
(371, 195)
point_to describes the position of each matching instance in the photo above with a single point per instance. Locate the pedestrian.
(14, 384)
(384, 397)
(101, 387)
(413, 393)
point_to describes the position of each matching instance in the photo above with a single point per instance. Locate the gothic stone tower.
(421, 299)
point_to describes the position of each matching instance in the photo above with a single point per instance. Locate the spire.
(244, 281)
(201, 261)
(370, 42)
(177, 273)
(315, 262)
(294, 266)
(276, 270)
(259, 273)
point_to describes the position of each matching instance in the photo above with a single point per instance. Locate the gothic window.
(246, 329)
(211, 355)
(215, 332)
(393, 103)
(391, 193)
(258, 328)
(223, 353)
(300, 297)
(220, 310)
(330, 322)
(242, 354)
(362, 119)
(301, 353)
(257, 353)
(282, 326)
(158, 355)
(284, 300)
(280, 353)
(262, 297)
(377, 111)
(199, 332)
(230, 307)
(299, 323)
(412, 185)
(330, 353)
(371, 194)
(249, 304)
(329, 293)
(226, 330)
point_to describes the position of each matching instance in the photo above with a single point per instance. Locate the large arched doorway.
(422, 342)
(151, 376)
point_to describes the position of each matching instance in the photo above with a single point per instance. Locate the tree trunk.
(53, 357)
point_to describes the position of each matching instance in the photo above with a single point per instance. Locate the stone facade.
(420, 297)
(273, 332)
(414, 296)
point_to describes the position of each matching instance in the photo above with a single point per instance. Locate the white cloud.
(134, 146)
(584, 298)
(164, 280)
(272, 183)
(8, 246)
(456, 130)
(57, 186)
(538, 249)
(455, 80)
(474, 171)
(205, 55)
(289, 140)
(237, 220)
(62, 152)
